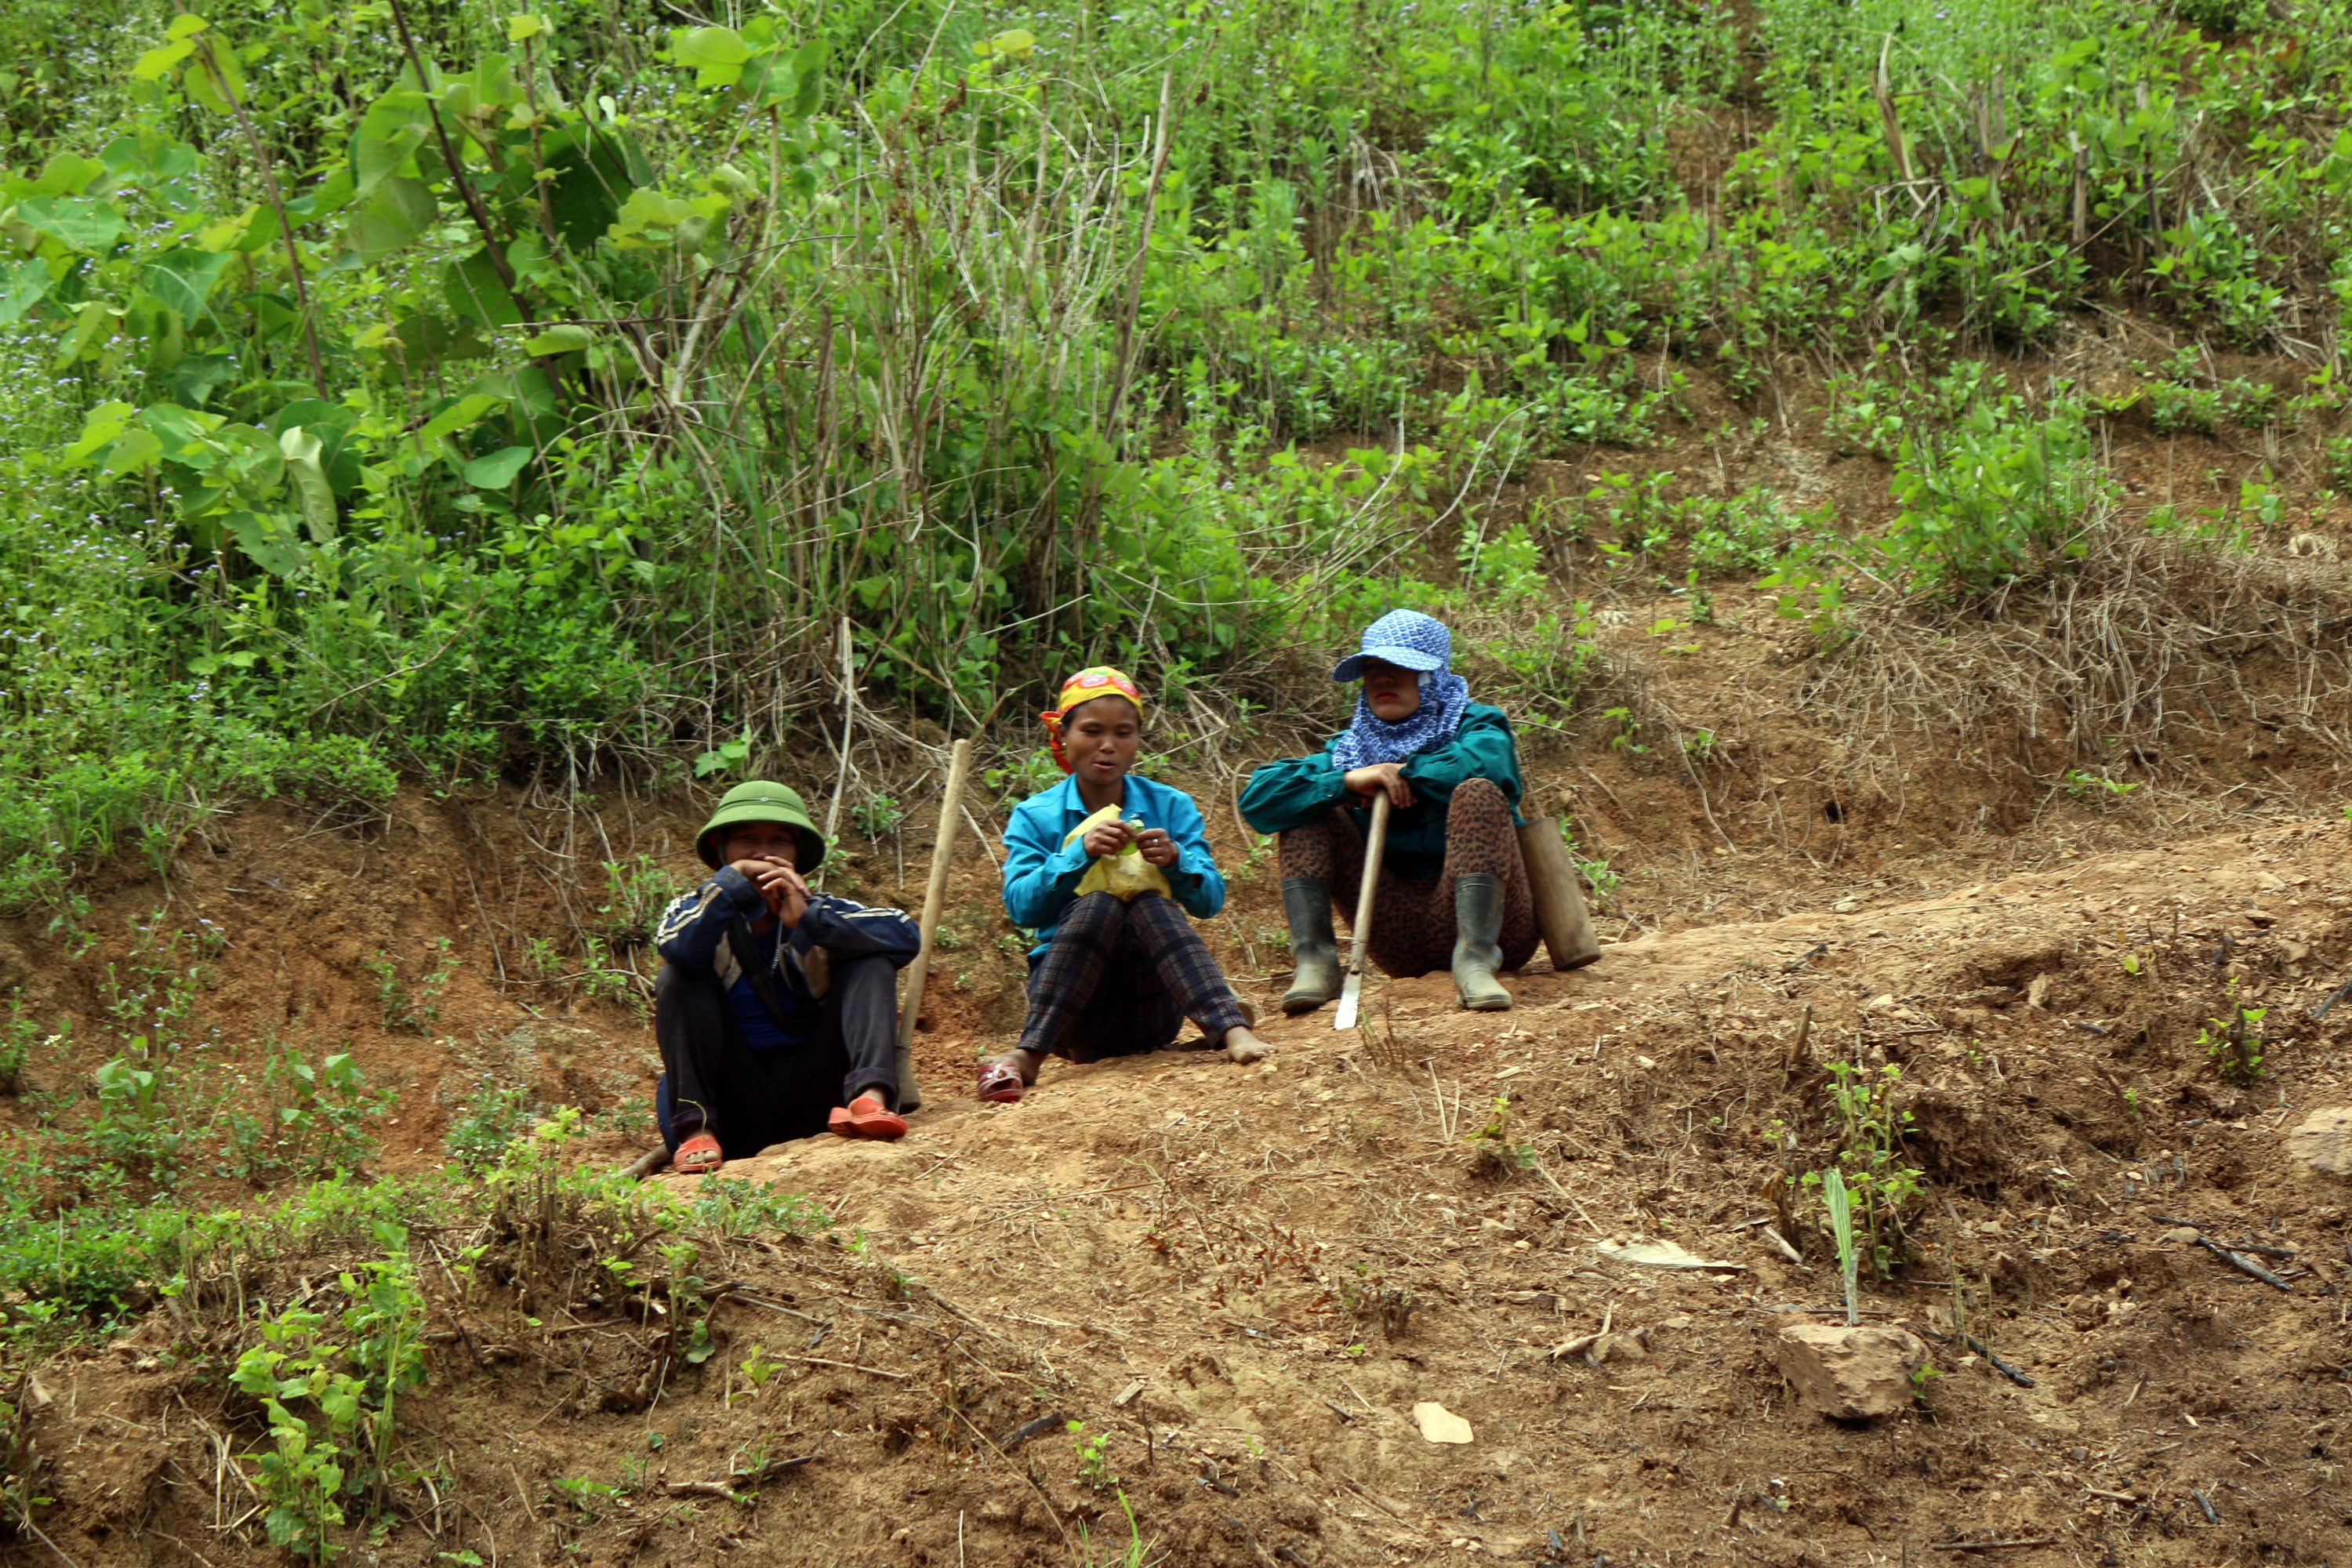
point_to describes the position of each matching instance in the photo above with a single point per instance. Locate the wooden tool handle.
(935, 893)
(1375, 842)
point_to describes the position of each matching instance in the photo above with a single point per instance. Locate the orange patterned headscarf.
(1101, 680)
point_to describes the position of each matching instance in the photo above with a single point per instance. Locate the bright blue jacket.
(1041, 876)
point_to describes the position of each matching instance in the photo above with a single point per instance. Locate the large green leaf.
(185, 433)
(194, 379)
(85, 223)
(431, 340)
(101, 427)
(474, 289)
(331, 423)
(388, 136)
(649, 220)
(184, 280)
(22, 287)
(489, 86)
(533, 414)
(497, 470)
(808, 67)
(156, 162)
(136, 450)
(272, 542)
(302, 450)
(215, 77)
(66, 174)
(400, 210)
(716, 54)
(467, 410)
(560, 340)
(595, 171)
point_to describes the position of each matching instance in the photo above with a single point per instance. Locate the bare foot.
(1243, 1047)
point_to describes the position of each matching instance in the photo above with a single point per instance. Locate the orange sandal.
(698, 1157)
(866, 1117)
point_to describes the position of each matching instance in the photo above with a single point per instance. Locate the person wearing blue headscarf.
(1454, 891)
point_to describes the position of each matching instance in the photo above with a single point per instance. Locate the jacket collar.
(1065, 797)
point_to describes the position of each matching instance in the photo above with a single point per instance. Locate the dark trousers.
(747, 1099)
(1122, 976)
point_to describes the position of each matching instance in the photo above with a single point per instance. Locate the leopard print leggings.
(1412, 922)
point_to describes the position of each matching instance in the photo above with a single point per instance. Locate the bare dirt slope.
(1241, 1282)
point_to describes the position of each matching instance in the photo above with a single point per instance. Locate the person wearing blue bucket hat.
(1454, 890)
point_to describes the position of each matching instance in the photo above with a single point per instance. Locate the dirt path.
(1252, 1276)
(1241, 1282)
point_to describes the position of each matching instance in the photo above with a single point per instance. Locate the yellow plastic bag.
(1123, 875)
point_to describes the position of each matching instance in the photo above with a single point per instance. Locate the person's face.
(1101, 738)
(761, 841)
(1393, 694)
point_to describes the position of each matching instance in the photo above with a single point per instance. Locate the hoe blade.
(1349, 995)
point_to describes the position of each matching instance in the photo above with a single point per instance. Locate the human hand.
(1108, 838)
(1380, 777)
(1159, 849)
(780, 885)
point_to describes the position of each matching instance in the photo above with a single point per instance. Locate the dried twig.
(2239, 1261)
(733, 1487)
(1991, 1545)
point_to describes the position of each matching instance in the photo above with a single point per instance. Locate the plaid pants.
(1413, 924)
(1121, 977)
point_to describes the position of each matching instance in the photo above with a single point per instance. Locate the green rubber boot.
(1477, 947)
(1306, 904)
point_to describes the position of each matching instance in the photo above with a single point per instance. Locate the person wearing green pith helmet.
(775, 1010)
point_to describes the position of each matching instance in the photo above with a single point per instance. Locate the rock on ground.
(2324, 1141)
(1850, 1373)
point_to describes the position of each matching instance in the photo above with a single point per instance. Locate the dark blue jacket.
(693, 935)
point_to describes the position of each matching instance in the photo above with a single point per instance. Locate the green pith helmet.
(760, 801)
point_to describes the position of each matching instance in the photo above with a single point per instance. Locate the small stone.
(1439, 1425)
(2182, 1235)
(2261, 918)
(2324, 1141)
(1845, 906)
(1852, 1374)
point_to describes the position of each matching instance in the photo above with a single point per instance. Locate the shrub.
(2004, 497)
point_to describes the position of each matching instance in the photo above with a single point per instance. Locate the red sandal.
(698, 1155)
(1000, 1083)
(866, 1117)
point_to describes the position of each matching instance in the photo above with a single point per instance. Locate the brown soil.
(1242, 1282)
(1244, 1279)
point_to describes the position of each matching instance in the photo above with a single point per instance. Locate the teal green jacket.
(1297, 790)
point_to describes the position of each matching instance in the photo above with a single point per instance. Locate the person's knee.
(1089, 912)
(1479, 796)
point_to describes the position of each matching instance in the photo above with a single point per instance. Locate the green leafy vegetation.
(1870, 1185)
(2234, 1045)
(450, 415)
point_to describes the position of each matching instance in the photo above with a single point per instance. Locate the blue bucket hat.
(1406, 638)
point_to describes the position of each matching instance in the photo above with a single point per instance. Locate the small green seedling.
(1842, 1227)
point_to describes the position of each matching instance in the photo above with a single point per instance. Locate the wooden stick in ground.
(849, 718)
(910, 1097)
(1375, 844)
